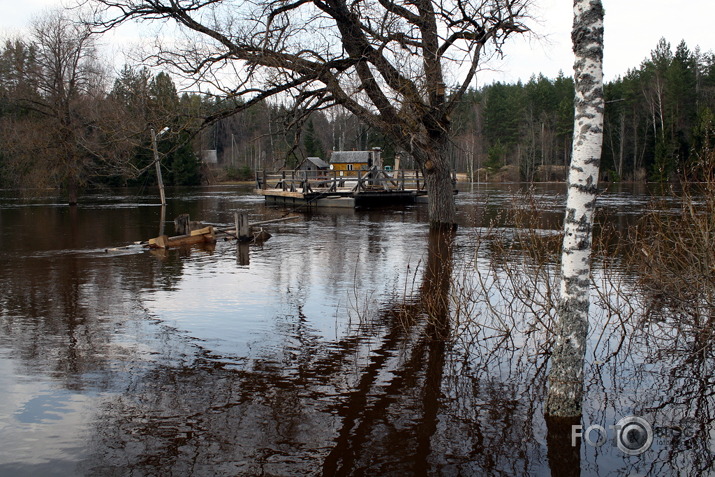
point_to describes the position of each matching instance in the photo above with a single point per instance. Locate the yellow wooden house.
(349, 163)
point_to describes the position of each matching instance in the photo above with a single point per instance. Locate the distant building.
(313, 164)
(209, 156)
(348, 163)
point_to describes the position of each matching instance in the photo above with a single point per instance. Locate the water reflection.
(339, 347)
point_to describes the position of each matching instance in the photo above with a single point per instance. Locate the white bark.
(566, 374)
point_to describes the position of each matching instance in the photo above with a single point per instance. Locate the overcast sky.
(632, 30)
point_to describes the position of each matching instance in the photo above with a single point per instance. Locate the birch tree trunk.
(567, 361)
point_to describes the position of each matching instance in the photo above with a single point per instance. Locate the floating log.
(193, 235)
(205, 235)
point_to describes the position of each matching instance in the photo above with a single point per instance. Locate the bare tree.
(53, 134)
(386, 61)
(566, 374)
(69, 82)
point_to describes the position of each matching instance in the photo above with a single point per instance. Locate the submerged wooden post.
(243, 255)
(181, 224)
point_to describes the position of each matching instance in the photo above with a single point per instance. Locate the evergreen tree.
(311, 142)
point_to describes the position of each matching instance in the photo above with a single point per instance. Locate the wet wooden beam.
(205, 235)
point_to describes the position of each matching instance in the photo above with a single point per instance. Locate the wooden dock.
(330, 189)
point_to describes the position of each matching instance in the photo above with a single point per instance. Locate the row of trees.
(656, 116)
(265, 136)
(659, 113)
(50, 86)
(65, 122)
(525, 125)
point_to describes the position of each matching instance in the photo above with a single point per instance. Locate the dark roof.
(347, 157)
(318, 162)
(311, 163)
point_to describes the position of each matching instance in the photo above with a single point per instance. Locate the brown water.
(308, 355)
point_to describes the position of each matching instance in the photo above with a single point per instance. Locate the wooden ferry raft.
(330, 189)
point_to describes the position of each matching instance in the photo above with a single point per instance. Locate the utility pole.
(233, 150)
(158, 165)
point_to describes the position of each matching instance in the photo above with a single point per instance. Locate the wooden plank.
(280, 193)
(203, 231)
(181, 240)
(282, 219)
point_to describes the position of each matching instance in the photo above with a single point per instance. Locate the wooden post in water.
(243, 255)
(243, 229)
(162, 219)
(181, 225)
(158, 166)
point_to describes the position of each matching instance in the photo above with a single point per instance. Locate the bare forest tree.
(388, 62)
(567, 366)
(62, 88)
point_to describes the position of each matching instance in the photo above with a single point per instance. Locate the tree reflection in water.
(407, 398)
(445, 379)
(399, 402)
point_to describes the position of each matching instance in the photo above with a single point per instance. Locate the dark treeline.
(64, 122)
(657, 115)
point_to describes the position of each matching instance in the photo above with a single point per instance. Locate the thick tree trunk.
(567, 361)
(440, 190)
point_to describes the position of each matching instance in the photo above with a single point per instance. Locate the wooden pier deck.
(329, 189)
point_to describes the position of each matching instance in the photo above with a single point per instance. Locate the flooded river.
(353, 342)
